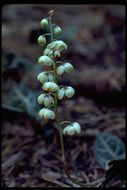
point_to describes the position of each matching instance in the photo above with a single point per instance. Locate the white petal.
(47, 102)
(61, 93)
(61, 45)
(68, 67)
(65, 130)
(60, 70)
(69, 130)
(46, 86)
(46, 60)
(77, 127)
(41, 112)
(52, 115)
(41, 99)
(47, 114)
(69, 92)
(54, 87)
(42, 77)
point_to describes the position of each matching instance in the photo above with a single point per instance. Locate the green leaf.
(22, 98)
(108, 147)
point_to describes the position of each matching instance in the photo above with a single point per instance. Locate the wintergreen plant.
(53, 92)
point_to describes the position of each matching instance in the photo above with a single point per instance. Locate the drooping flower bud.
(69, 92)
(58, 45)
(46, 86)
(72, 129)
(41, 40)
(68, 67)
(46, 60)
(57, 30)
(48, 101)
(42, 77)
(45, 77)
(61, 93)
(46, 113)
(60, 70)
(50, 86)
(44, 23)
(69, 130)
(41, 98)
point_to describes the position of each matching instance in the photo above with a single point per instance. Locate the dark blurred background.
(95, 35)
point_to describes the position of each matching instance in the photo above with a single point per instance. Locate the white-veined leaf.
(108, 147)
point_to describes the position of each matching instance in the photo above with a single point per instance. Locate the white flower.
(60, 70)
(42, 77)
(46, 113)
(46, 60)
(50, 86)
(69, 92)
(69, 130)
(48, 52)
(41, 98)
(46, 86)
(68, 67)
(72, 129)
(44, 23)
(61, 93)
(54, 87)
(45, 77)
(58, 45)
(41, 40)
(48, 101)
(57, 30)
(65, 91)
(45, 99)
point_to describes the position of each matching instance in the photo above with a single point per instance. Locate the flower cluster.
(52, 68)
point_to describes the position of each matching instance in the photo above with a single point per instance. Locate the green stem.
(50, 25)
(47, 34)
(63, 122)
(60, 125)
(61, 137)
(56, 100)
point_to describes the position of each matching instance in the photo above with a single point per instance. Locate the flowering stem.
(56, 101)
(58, 120)
(59, 124)
(50, 25)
